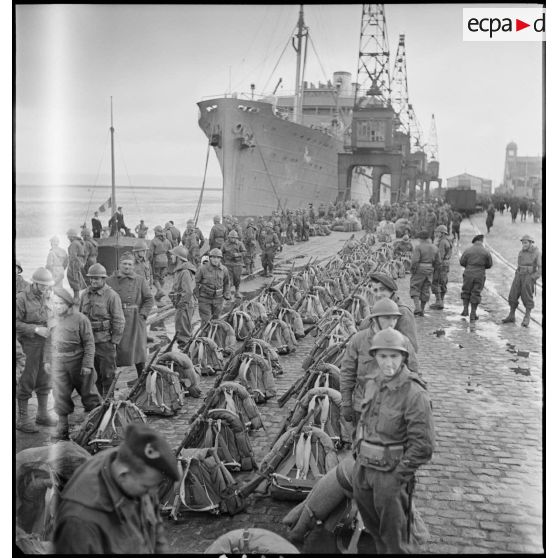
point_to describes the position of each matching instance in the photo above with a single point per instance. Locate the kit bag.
(206, 356)
(160, 393)
(235, 398)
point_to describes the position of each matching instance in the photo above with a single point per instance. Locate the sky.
(158, 61)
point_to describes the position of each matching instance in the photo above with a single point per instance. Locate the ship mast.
(113, 192)
(302, 32)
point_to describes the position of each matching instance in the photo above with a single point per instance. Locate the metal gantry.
(432, 146)
(399, 88)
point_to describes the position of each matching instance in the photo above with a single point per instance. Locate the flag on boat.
(103, 207)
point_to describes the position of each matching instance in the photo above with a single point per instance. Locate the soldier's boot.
(24, 423)
(526, 318)
(439, 304)
(422, 307)
(43, 416)
(465, 308)
(417, 310)
(237, 293)
(63, 428)
(473, 315)
(510, 318)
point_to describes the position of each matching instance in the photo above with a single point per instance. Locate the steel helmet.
(528, 238)
(42, 276)
(190, 222)
(215, 252)
(71, 233)
(386, 280)
(158, 229)
(18, 264)
(97, 270)
(216, 219)
(441, 229)
(269, 224)
(385, 307)
(180, 252)
(140, 245)
(233, 234)
(388, 338)
(62, 293)
(249, 220)
(167, 225)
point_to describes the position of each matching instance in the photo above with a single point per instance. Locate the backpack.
(205, 485)
(251, 540)
(267, 351)
(116, 415)
(281, 336)
(255, 308)
(294, 320)
(222, 333)
(187, 374)
(242, 324)
(160, 393)
(206, 356)
(254, 373)
(311, 309)
(312, 455)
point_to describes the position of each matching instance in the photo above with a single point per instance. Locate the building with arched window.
(522, 175)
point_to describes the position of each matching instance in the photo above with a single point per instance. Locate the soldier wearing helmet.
(141, 229)
(269, 244)
(69, 357)
(212, 286)
(357, 365)
(193, 240)
(394, 437)
(102, 306)
(440, 276)
(137, 302)
(91, 249)
(529, 269)
(31, 329)
(20, 282)
(76, 262)
(233, 255)
(57, 261)
(157, 256)
(217, 234)
(249, 238)
(424, 260)
(383, 286)
(141, 265)
(182, 294)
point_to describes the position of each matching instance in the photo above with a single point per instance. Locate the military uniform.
(217, 236)
(91, 252)
(182, 296)
(212, 285)
(476, 259)
(96, 227)
(249, 240)
(394, 437)
(76, 265)
(456, 224)
(141, 230)
(20, 284)
(269, 243)
(137, 302)
(529, 266)
(424, 260)
(193, 240)
(104, 310)
(57, 262)
(143, 269)
(69, 348)
(158, 249)
(440, 276)
(233, 250)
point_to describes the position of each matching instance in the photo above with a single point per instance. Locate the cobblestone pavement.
(482, 491)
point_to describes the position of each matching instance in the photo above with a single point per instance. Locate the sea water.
(44, 211)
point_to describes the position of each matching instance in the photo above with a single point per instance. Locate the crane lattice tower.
(432, 147)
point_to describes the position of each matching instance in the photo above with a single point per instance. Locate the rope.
(96, 179)
(279, 206)
(127, 175)
(280, 56)
(197, 214)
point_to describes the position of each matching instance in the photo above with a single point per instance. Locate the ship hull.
(269, 163)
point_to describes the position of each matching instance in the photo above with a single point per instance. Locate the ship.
(280, 152)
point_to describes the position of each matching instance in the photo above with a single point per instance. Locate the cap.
(478, 237)
(528, 238)
(151, 448)
(97, 270)
(127, 256)
(423, 235)
(62, 293)
(386, 280)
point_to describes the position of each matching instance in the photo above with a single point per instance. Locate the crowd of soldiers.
(75, 340)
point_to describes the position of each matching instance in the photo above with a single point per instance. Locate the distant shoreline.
(119, 187)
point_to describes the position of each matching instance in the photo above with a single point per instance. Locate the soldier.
(425, 260)
(440, 277)
(290, 228)
(233, 251)
(141, 265)
(157, 255)
(529, 267)
(175, 234)
(96, 225)
(394, 437)
(212, 286)
(103, 307)
(305, 225)
(141, 229)
(110, 505)
(357, 365)
(68, 356)
(193, 241)
(269, 244)
(217, 234)
(76, 262)
(91, 250)
(137, 302)
(456, 224)
(20, 282)
(431, 222)
(249, 240)
(476, 260)
(31, 330)
(57, 261)
(490, 212)
(116, 222)
(182, 294)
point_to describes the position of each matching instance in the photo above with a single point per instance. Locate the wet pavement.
(482, 491)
